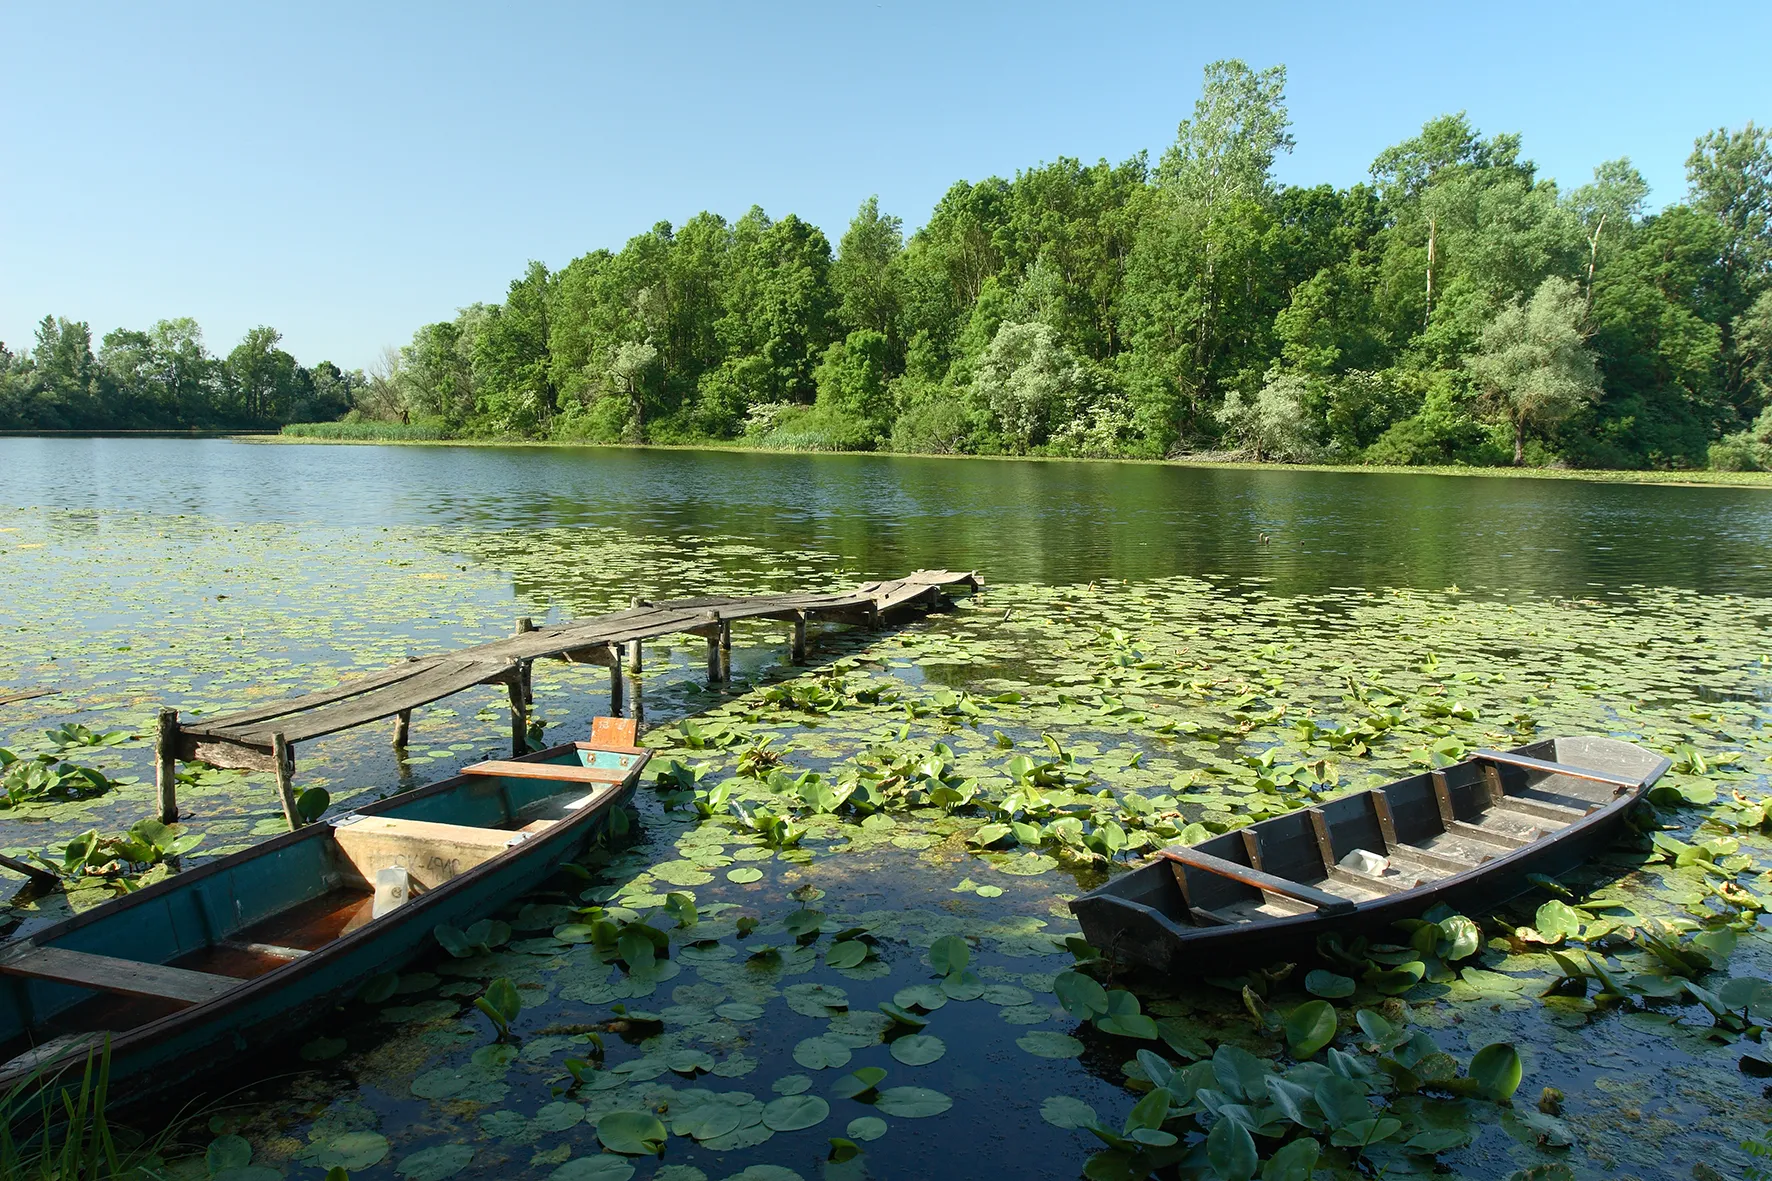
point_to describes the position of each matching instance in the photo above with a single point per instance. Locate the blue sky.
(347, 172)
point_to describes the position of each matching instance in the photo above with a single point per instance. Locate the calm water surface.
(296, 559)
(1013, 520)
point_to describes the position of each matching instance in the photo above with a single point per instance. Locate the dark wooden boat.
(1465, 835)
(238, 953)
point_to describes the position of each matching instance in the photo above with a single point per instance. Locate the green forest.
(1456, 308)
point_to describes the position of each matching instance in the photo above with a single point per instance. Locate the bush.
(366, 431)
(605, 420)
(1274, 423)
(940, 426)
(816, 428)
(1745, 451)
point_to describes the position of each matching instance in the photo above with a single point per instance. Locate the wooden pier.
(265, 739)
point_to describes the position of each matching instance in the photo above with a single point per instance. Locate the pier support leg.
(284, 756)
(639, 707)
(634, 645)
(402, 729)
(713, 619)
(799, 650)
(166, 765)
(526, 624)
(519, 716)
(616, 676)
(725, 650)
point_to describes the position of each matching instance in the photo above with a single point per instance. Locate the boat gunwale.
(252, 988)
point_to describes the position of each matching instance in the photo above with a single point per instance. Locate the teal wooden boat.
(238, 953)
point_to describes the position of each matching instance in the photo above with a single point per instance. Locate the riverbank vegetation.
(1457, 308)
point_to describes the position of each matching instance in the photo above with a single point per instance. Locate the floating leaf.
(1294, 1161)
(601, 1167)
(1230, 1150)
(227, 1152)
(632, 1132)
(1321, 983)
(949, 954)
(846, 954)
(1082, 996)
(349, 1150)
(918, 1049)
(928, 997)
(1310, 1027)
(858, 1082)
(912, 1102)
(867, 1127)
(1496, 1069)
(903, 1016)
(791, 1113)
(1045, 1044)
(821, 1053)
(1062, 1111)
(435, 1164)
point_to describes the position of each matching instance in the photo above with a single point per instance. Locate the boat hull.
(170, 1051)
(1142, 917)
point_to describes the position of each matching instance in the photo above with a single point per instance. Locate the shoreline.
(1694, 478)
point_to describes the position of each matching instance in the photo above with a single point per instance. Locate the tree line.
(164, 379)
(1457, 307)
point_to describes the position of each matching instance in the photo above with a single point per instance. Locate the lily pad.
(912, 1102)
(918, 1049)
(1062, 1111)
(1047, 1044)
(435, 1164)
(821, 1053)
(791, 1113)
(631, 1132)
(867, 1127)
(601, 1167)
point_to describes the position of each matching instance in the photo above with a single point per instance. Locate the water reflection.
(1017, 520)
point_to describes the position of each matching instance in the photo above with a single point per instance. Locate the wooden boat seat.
(104, 973)
(430, 852)
(548, 811)
(1324, 902)
(1526, 763)
(564, 772)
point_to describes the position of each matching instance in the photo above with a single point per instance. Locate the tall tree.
(1615, 198)
(1534, 364)
(512, 364)
(865, 274)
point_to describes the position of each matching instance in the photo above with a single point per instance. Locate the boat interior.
(1369, 845)
(254, 913)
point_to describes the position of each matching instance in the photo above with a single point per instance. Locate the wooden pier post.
(616, 676)
(519, 714)
(713, 621)
(402, 729)
(799, 649)
(526, 624)
(36, 873)
(284, 758)
(166, 765)
(639, 707)
(725, 650)
(634, 644)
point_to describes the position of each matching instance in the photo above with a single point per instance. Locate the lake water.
(1015, 521)
(1179, 633)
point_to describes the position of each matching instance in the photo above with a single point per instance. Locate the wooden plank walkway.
(264, 739)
